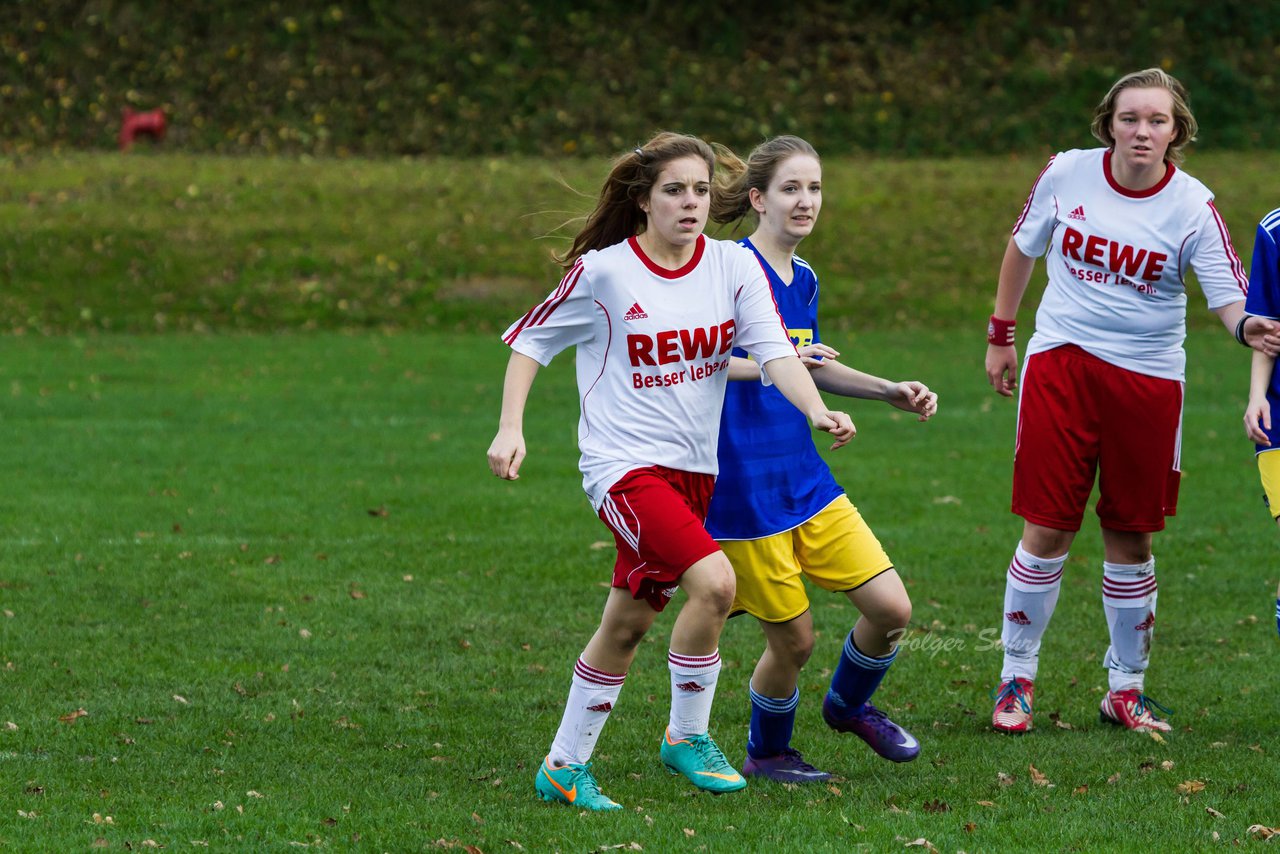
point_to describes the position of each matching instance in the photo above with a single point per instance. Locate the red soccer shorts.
(657, 515)
(1078, 415)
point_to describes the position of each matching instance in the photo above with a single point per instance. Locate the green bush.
(551, 78)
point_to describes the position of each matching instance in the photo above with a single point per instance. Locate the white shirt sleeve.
(1214, 259)
(565, 318)
(760, 330)
(1039, 215)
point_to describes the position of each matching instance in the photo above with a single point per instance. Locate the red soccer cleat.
(1012, 713)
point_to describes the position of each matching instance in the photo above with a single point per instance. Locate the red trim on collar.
(1136, 194)
(663, 271)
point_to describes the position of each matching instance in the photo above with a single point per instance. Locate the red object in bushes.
(150, 124)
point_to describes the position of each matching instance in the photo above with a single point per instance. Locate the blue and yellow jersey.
(1263, 301)
(772, 478)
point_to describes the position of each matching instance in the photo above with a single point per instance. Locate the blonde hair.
(732, 199)
(1184, 123)
(617, 214)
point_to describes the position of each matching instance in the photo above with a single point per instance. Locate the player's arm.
(743, 369)
(507, 450)
(841, 379)
(793, 380)
(1002, 358)
(1257, 414)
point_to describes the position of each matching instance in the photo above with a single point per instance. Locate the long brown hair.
(617, 213)
(732, 199)
(1184, 123)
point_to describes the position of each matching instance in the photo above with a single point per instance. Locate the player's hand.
(1002, 368)
(816, 355)
(1262, 334)
(838, 424)
(507, 453)
(1257, 420)
(915, 397)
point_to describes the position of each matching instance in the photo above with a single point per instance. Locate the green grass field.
(260, 592)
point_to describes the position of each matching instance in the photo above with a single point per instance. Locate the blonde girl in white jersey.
(1101, 391)
(654, 309)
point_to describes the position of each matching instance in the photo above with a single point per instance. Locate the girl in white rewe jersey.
(654, 309)
(1119, 228)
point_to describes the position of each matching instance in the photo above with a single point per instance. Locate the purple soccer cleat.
(787, 767)
(874, 727)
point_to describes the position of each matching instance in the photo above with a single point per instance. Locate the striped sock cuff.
(1128, 585)
(773, 705)
(692, 664)
(865, 661)
(587, 673)
(1031, 574)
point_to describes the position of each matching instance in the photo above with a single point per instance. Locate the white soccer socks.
(592, 695)
(1030, 595)
(693, 687)
(1129, 598)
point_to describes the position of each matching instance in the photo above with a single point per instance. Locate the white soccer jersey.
(1117, 261)
(653, 351)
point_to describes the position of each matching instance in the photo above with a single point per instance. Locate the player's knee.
(890, 617)
(626, 637)
(715, 584)
(795, 648)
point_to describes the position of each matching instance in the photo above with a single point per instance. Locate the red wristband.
(1000, 332)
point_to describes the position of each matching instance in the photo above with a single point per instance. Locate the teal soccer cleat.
(699, 759)
(572, 785)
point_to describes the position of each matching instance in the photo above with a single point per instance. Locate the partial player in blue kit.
(777, 511)
(1264, 382)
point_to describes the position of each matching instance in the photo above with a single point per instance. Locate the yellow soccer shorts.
(1268, 469)
(835, 550)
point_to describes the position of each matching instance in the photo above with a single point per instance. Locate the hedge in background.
(380, 77)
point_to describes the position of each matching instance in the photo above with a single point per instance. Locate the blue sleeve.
(1264, 274)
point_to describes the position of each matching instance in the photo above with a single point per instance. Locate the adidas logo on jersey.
(1019, 617)
(635, 313)
(1078, 213)
(691, 686)
(1146, 624)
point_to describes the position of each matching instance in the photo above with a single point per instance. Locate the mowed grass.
(159, 240)
(261, 592)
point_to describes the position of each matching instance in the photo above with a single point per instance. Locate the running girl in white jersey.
(777, 511)
(654, 309)
(1119, 228)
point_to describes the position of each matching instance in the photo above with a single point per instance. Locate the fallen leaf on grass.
(1211, 811)
(1080, 790)
(11, 726)
(623, 846)
(1190, 787)
(689, 831)
(600, 544)
(986, 803)
(1156, 737)
(936, 805)
(1114, 778)
(178, 698)
(380, 511)
(72, 717)
(1061, 724)
(1167, 765)
(920, 843)
(1038, 778)
(970, 827)
(1004, 779)
(1257, 831)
